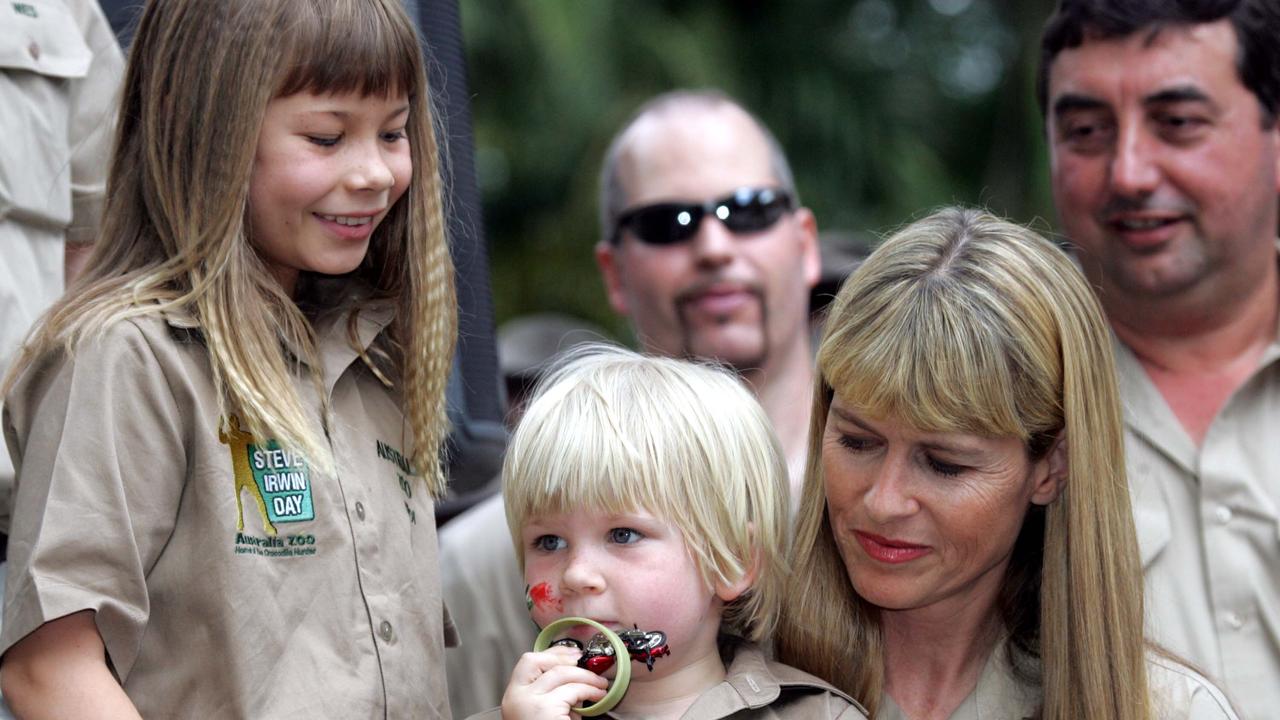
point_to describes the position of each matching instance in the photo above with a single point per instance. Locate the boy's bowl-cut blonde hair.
(611, 430)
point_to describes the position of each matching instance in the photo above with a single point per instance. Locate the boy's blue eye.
(549, 543)
(624, 536)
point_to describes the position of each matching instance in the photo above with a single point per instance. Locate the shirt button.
(385, 631)
(1233, 619)
(360, 510)
(1223, 513)
(34, 49)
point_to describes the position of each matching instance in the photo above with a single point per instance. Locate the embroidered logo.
(397, 458)
(278, 481)
(25, 9)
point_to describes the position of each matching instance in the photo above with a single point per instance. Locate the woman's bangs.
(924, 358)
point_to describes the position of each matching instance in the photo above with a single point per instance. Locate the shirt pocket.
(42, 51)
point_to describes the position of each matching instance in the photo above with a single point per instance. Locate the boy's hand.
(547, 685)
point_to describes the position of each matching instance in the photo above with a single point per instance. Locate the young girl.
(227, 434)
(651, 493)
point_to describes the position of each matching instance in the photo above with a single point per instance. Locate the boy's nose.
(582, 575)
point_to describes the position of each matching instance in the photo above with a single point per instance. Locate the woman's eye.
(323, 140)
(549, 543)
(856, 444)
(624, 536)
(944, 468)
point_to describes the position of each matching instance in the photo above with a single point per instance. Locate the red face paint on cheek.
(544, 597)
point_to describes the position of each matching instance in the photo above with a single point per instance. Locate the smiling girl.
(227, 434)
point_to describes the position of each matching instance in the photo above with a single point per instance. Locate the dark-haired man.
(705, 248)
(1164, 145)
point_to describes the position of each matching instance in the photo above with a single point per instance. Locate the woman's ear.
(1051, 472)
(732, 590)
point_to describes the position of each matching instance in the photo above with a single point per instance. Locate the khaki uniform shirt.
(1208, 523)
(229, 578)
(1177, 693)
(757, 688)
(484, 589)
(60, 68)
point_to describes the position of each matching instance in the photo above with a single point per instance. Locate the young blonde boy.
(651, 492)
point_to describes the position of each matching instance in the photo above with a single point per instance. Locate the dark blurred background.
(886, 108)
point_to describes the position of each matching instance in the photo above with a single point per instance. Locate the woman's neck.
(668, 696)
(935, 656)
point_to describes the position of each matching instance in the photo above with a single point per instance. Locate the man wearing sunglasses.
(707, 251)
(705, 248)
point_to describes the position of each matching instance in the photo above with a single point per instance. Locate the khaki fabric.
(1208, 523)
(484, 589)
(1177, 693)
(129, 501)
(757, 688)
(60, 69)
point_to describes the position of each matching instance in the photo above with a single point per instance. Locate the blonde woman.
(227, 434)
(964, 546)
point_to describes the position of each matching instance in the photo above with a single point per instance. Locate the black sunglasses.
(747, 210)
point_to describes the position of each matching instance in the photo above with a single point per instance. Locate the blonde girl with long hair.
(227, 434)
(965, 546)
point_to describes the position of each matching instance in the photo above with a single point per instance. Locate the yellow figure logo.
(238, 441)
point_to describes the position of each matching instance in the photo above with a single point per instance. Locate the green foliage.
(887, 108)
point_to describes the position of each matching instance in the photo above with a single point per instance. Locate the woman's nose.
(889, 496)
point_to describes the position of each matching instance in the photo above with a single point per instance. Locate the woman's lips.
(890, 551)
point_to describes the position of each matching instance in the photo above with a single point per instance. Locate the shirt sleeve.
(98, 442)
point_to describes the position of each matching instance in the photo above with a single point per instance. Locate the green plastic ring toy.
(620, 680)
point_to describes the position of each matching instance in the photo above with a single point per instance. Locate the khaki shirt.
(229, 578)
(60, 68)
(1208, 523)
(484, 589)
(757, 688)
(1177, 693)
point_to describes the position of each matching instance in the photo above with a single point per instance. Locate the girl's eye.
(324, 141)
(394, 135)
(624, 536)
(549, 543)
(944, 468)
(855, 444)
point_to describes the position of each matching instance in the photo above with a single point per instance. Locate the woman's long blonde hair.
(965, 322)
(174, 235)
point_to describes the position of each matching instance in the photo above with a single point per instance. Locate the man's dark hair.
(1256, 22)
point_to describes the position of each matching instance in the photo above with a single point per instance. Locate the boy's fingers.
(561, 675)
(532, 665)
(576, 694)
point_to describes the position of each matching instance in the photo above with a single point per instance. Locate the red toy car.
(598, 656)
